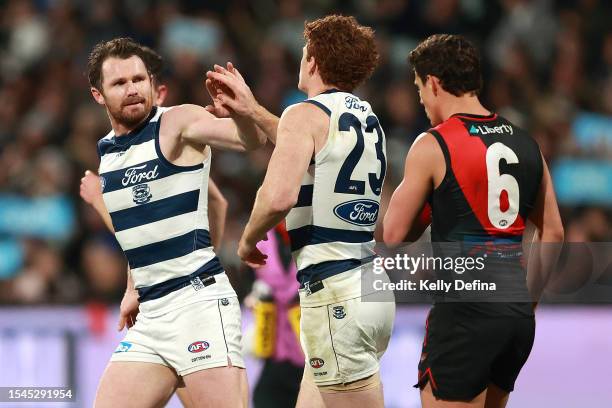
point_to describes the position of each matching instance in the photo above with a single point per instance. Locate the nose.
(131, 89)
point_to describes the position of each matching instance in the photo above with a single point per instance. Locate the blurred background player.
(91, 193)
(485, 178)
(275, 304)
(154, 180)
(329, 154)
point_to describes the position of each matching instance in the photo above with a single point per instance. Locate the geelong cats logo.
(141, 194)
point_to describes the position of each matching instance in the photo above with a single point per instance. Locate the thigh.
(133, 384)
(219, 387)
(344, 341)
(429, 400)
(496, 397)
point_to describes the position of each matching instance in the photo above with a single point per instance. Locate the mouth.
(133, 103)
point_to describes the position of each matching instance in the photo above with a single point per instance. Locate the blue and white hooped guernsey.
(332, 225)
(160, 214)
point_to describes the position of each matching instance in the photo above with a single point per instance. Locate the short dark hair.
(451, 58)
(344, 50)
(123, 48)
(154, 63)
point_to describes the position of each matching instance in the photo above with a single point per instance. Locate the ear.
(162, 92)
(312, 65)
(97, 95)
(435, 84)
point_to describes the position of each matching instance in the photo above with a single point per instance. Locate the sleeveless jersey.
(159, 212)
(332, 225)
(493, 175)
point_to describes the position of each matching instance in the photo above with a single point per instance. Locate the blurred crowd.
(544, 62)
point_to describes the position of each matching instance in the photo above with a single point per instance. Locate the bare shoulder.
(185, 120)
(186, 113)
(304, 118)
(425, 147)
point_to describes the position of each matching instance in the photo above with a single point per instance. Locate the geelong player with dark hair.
(154, 169)
(90, 188)
(484, 179)
(325, 175)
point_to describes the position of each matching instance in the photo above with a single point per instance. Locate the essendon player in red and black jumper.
(483, 178)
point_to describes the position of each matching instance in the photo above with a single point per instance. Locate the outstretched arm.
(232, 97)
(406, 217)
(288, 164)
(196, 126)
(236, 129)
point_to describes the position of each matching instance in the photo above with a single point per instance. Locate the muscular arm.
(404, 219)
(195, 125)
(288, 164)
(544, 253)
(217, 210)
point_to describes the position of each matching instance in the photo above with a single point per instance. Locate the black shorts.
(462, 353)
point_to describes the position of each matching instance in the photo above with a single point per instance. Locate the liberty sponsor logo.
(358, 212)
(198, 346)
(123, 347)
(485, 130)
(141, 194)
(138, 174)
(339, 312)
(353, 103)
(316, 362)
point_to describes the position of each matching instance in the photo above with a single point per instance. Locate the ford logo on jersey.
(198, 346)
(358, 212)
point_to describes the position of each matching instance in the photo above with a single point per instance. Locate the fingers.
(234, 70)
(210, 87)
(122, 322)
(229, 71)
(226, 80)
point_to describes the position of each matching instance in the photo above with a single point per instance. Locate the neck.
(318, 88)
(463, 104)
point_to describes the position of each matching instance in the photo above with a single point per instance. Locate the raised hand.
(231, 94)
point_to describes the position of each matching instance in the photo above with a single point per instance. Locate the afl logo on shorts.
(358, 212)
(198, 346)
(141, 194)
(102, 183)
(316, 362)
